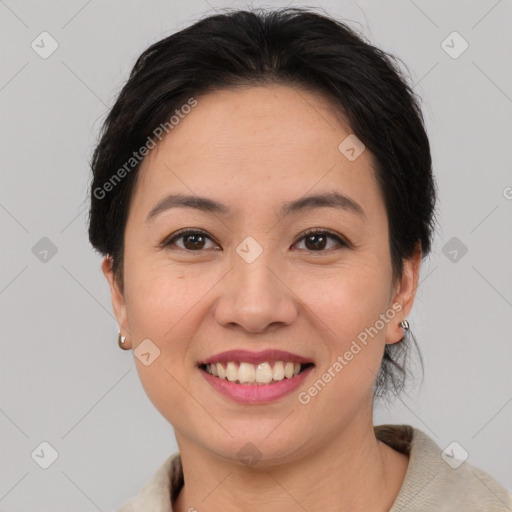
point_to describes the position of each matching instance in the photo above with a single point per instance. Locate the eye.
(316, 239)
(194, 239)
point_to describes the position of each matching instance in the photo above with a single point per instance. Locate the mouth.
(246, 373)
(255, 378)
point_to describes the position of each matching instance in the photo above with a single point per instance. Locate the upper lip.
(255, 357)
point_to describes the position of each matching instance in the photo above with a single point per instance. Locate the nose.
(255, 297)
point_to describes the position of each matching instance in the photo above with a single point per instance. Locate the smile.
(245, 373)
(255, 377)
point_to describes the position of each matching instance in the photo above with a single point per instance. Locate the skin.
(254, 148)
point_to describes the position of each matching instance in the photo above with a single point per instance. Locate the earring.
(404, 324)
(121, 340)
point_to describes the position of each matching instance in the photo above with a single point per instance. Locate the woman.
(263, 196)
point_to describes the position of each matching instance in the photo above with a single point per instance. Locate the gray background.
(64, 379)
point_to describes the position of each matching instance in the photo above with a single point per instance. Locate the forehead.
(248, 118)
(256, 142)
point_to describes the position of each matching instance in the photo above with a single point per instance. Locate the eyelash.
(313, 231)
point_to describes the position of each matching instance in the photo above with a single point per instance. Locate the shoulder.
(156, 494)
(127, 506)
(438, 481)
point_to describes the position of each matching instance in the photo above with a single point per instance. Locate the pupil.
(193, 237)
(316, 245)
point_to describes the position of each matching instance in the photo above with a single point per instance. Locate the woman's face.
(252, 281)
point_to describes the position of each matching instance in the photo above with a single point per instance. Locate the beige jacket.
(430, 484)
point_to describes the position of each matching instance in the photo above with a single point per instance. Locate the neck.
(354, 471)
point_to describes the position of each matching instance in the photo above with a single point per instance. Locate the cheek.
(158, 297)
(349, 298)
(160, 307)
(167, 304)
(346, 308)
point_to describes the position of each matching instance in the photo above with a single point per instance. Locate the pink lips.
(256, 393)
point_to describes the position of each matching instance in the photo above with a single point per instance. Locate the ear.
(404, 294)
(118, 302)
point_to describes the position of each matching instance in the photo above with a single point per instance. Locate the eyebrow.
(326, 200)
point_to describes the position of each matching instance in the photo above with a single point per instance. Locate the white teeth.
(247, 373)
(278, 371)
(288, 370)
(220, 370)
(264, 373)
(232, 371)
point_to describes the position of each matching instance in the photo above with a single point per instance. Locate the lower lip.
(256, 393)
